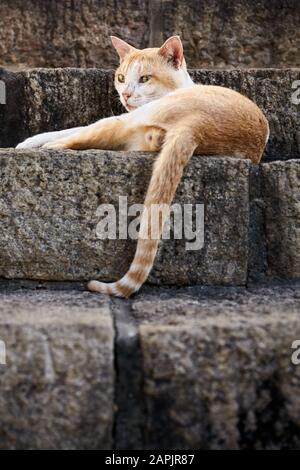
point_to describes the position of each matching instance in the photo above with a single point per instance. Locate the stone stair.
(57, 386)
(185, 366)
(251, 212)
(48, 222)
(41, 100)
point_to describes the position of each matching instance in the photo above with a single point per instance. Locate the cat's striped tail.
(177, 150)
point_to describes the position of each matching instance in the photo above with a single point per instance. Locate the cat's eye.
(145, 78)
(121, 78)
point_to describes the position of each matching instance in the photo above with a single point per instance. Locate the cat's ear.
(121, 47)
(172, 51)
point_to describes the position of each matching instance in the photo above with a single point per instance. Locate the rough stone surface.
(281, 195)
(219, 33)
(257, 261)
(48, 217)
(45, 100)
(72, 33)
(195, 368)
(57, 388)
(236, 33)
(12, 117)
(217, 367)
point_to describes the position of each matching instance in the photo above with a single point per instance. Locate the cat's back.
(212, 96)
(224, 121)
(217, 104)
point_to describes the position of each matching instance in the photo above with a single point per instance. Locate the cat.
(167, 113)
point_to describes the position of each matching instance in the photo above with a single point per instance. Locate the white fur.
(41, 139)
(268, 135)
(143, 114)
(144, 93)
(137, 267)
(127, 282)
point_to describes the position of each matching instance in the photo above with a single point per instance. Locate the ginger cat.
(170, 114)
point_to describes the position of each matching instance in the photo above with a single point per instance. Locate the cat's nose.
(126, 95)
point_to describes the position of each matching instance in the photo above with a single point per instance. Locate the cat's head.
(148, 74)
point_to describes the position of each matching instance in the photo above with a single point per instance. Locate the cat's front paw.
(30, 143)
(55, 145)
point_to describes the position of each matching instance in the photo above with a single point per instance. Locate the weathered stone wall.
(218, 33)
(69, 33)
(45, 100)
(234, 33)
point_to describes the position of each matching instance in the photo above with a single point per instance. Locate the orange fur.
(207, 120)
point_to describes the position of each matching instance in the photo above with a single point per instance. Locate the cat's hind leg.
(152, 139)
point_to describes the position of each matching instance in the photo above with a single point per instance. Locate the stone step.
(215, 34)
(48, 221)
(53, 99)
(217, 368)
(48, 218)
(274, 229)
(57, 387)
(187, 368)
